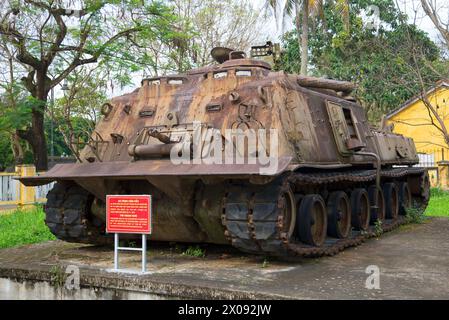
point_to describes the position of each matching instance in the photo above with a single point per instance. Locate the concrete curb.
(95, 279)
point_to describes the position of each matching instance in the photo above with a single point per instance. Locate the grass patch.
(265, 263)
(378, 228)
(438, 204)
(24, 227)
(195, 252)
(414, 215)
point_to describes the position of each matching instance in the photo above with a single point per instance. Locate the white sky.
(421, 20)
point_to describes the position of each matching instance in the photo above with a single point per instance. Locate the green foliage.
(58, 279)
(438, 193)
(110, 34)
(23, 227)
(378, 227)
(152, 24)
(118, 39)
(60, 148)
(6, 156)
(195, 251)
(75, 114)
(414, 215)
(382, 62)
(439, 203)
(58, 276)
(15, 107)
(59, 145)
(265, 263)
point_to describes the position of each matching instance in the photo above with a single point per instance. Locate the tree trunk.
(17, 149)
(35, 135)
(37, 130)
(305, 37)
(38, 142)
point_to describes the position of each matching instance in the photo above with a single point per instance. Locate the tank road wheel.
(288, 213)
(338, 215)
(405, 198)
(360, 209)
(391, 201)
(377, 213)
(312, 220)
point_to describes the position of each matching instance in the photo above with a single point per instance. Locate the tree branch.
(77, 61)
(28, 82)
(18, 41)
(430, 10)
(60, 36)
(57, 11)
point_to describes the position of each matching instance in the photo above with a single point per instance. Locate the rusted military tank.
(336, 182)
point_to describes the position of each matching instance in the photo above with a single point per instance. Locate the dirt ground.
(413, 263)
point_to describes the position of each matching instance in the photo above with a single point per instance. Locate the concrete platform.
(413, 262)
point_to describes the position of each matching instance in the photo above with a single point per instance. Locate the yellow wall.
(414, 121)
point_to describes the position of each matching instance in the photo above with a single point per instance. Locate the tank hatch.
(222, 54)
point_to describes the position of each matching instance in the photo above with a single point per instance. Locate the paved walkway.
(413, 262)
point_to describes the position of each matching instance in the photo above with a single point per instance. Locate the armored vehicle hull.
(327, 180)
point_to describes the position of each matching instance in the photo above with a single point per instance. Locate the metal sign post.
(117, 248)
(132, 215)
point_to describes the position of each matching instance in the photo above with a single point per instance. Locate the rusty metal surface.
(145, 168)
(325, 144)
(239, 93)
(254, 223)
(68, 218)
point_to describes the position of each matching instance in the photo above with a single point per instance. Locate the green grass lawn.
(438, 204)
(23, 227)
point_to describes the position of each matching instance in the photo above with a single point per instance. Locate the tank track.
(66, 215)
(253, 224)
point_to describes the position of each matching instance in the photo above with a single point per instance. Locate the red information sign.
(128, 214)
